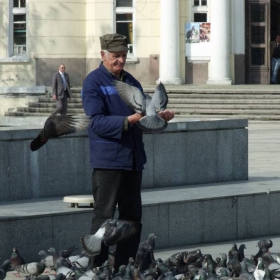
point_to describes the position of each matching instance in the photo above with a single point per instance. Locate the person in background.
(275, 61)
(61, 90)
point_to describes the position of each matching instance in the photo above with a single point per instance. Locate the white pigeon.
(144, 104)
(81, 262)
(33, 269)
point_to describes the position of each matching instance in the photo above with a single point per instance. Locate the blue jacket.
(110, 146)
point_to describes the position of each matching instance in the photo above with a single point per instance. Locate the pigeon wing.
(65, 124)
(131, 96)
(160, 97)
(122, 230)
(59, 125)
(92, 243)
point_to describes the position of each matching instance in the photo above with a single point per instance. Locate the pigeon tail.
(152, 124)
(37, 143)
(92, 243)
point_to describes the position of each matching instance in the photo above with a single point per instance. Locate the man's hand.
(134, 118)
(167, 115)
(54, 97)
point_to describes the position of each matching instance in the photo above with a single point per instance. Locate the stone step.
(172, 100)
(211, 106)
(213, 111)
(213, 116)
(201, 205)
(222, 96)
(49, 110)
(50, 100)
(53, 105)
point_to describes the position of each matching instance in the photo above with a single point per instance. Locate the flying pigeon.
(110, 232)
(33, 269)
(56, 126)
(146, 105)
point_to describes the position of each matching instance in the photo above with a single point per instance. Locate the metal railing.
(19, 49)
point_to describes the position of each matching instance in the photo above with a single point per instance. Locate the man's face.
(114, 61)
(62, 68)
(277, 39)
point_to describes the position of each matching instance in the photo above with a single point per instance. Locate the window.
(124, 21)
(199, 10)
(17, 41)
(200, 3)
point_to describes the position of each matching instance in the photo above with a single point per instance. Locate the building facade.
(37, 35)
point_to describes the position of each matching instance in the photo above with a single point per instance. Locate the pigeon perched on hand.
(56, 126)
(33, 269)
(110, 232)
(146, 105)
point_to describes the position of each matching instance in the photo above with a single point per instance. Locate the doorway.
(258, 41)
(262, 26)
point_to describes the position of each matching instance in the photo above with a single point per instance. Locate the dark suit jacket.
(57, 85)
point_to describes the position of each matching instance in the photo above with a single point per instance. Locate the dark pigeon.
(232, 250)
(16, 259)
(145, 253)
(241, 254)
(265, 243)
(67, 252)
(110, 232)
(56, 126)
(5, 266)
(146, 105)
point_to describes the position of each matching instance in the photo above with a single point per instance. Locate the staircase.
(187, 102)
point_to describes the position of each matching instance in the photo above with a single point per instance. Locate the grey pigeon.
(146, 105)
(244, 273)
(270, 263)
(56, 126)
(5, 266)
(67, 252)
(33, 269)
(110, 232)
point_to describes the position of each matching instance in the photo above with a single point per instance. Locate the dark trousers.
(109, 188)
(61, 104)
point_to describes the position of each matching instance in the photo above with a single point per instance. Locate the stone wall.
(187, 153)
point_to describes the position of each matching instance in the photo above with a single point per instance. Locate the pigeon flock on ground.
(188, 265)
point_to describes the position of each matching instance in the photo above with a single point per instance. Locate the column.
(219, 65)
(169, 65)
